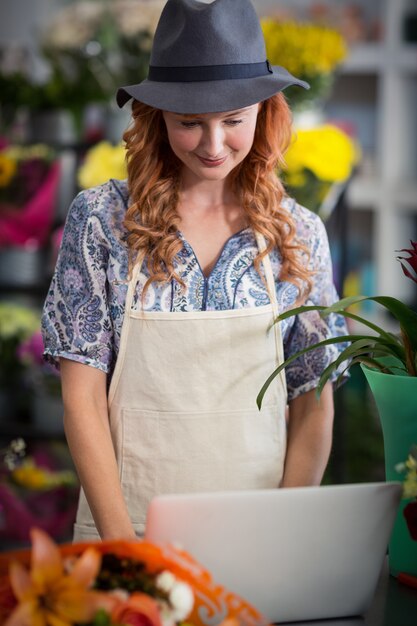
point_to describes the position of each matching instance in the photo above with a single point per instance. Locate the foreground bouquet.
(113, 583)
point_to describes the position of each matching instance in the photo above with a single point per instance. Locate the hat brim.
(209, 96)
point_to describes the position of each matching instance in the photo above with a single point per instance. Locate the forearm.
(88, 434)
(92, 451)
(309, 439)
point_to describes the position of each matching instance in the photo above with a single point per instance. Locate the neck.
(206, 195)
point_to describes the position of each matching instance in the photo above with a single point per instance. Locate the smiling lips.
(212, 162)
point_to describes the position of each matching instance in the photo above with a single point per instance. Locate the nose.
(212, 141)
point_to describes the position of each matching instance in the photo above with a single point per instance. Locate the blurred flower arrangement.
(29, 178)
(102, 162)
(310, 51)
(409, 467)
(40, 375)
(114, 583)
(17, 324)
(34, 490)
(316, 159)
(90, 48)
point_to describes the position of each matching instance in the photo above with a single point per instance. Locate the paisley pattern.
(84, 307)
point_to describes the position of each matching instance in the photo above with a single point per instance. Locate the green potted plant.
(389, 362)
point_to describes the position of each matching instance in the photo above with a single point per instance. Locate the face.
(211, 145)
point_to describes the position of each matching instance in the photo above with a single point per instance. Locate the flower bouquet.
(113, 583)
(409, 467)
(29, 177)
(17, 323)
(309, 51)
(43, 381)
(102, 162)
(317, 159)
(35, 489)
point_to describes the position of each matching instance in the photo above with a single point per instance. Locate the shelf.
(368, 192)
(366, 58)
(371, 58)
(363, 192)
(406, 195)
(407, 58)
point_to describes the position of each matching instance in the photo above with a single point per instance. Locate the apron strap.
(270, 283)
(133, 282)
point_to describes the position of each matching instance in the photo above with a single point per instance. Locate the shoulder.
(306, 222)
(310, 228)
(109, 197)
(103, 206)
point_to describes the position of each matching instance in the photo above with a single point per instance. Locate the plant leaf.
(314, 346)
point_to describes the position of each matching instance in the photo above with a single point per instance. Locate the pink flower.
(31, 350)
(411, 261)
(410, 514)
(138, 610)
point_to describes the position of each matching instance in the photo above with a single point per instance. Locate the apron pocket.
(171, 452)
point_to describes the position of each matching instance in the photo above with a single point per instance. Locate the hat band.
(208, 72)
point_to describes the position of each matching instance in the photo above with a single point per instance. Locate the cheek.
(182, 141)
(243, 139)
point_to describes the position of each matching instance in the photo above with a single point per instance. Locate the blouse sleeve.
(75, 320)
(309, 328)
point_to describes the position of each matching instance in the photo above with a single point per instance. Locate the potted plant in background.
(389, 362)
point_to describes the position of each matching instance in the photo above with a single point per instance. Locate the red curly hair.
(154, 170)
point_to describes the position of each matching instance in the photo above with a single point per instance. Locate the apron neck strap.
(133, 281)
(270, 281)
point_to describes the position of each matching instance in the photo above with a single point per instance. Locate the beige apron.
(182, 403)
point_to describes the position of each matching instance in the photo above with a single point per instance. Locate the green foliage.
(362, 348)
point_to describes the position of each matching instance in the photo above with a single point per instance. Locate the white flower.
(181, 598)
(165, 581)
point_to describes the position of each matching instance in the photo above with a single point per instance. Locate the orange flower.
(49, 596)
(138, 610)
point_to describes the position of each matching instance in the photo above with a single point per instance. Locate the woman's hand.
(87, 430)
(310, 426)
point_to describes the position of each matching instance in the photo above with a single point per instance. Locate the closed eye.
(232, 122)
(189, 124)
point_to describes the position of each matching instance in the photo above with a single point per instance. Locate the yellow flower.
(326, 151)
(47, 595)
(102, 162)
(8, 167)
(296, 178)
(31, 476)
(305, 49)
(17, 321)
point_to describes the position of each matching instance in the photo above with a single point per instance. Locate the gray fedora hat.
(208, 58)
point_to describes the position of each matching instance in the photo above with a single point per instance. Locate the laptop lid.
(295, 554)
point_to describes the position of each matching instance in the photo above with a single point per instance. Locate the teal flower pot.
(396, 401)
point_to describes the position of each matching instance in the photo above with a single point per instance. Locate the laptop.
(295, 554)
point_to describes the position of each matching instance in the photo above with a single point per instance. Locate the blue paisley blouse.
(84, 307)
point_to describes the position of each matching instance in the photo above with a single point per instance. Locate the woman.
(159, 313)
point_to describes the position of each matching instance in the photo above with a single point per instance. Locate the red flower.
(411, 260)
(138, 610)
(410, 514)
